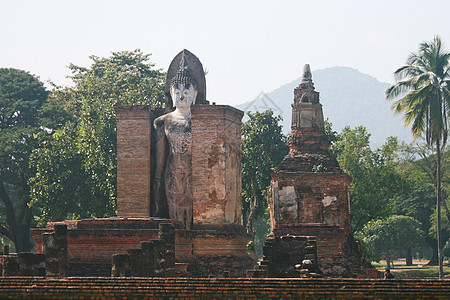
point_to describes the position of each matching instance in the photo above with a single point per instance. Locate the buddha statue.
(173, 174)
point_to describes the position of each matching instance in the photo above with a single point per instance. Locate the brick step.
(116, 294)
(282, 281)
(230, 283)
(231, 288)
(77, 288)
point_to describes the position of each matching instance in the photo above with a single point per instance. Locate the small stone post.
(11, 266)
(54, 246)
(167, 235)
(49, 250)
(160, 258)
(121, 265)
(61, 246)
(136, 262)
(39, 264)
(148, 257)
(25, 263)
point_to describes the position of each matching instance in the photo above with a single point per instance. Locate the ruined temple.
(210, 239)
(179, 195)
(310, 192)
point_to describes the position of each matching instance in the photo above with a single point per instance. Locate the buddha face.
(183, 97)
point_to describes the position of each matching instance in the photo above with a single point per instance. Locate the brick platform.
(240, 288)
(92, 242)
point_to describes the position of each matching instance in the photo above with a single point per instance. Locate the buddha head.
(183, 92)
(183, 88)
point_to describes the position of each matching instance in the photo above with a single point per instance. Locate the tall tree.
(374, 179)
(418, 165)
(263, 148)
(25, 117)
(76, 169)
(384, 236)
(423, 84)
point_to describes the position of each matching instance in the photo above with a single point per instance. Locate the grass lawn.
(419, 269)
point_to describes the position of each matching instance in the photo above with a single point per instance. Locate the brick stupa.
(310, 192)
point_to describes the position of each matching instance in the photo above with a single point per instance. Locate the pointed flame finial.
(183, 63)
(307, 76)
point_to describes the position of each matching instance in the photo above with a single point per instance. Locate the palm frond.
(406, 71)
(423, 84)
(398, 89)
(446, 97)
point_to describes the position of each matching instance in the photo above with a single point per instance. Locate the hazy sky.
(246, 46)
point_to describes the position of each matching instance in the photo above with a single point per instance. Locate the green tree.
(423, 84)
(25, 115)
(383, 237)
(418, 166)
(263, 148)
(76, 169)
(374, 179)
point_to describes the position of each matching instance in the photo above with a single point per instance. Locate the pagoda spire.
(307, 128)
(307, 76)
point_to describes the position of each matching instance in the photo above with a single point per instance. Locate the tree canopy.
(76, 169)
(263, 148)
(374, 179)
(24, 114)
(384, 236)
(423, 87)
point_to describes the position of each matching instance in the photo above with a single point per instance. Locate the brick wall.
(216, 164)
(216, 157)
(133, 160)
(338, 252)
(309, 199)
(92, 242)
(226, 288)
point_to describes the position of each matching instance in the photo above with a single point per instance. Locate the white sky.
(246, 46)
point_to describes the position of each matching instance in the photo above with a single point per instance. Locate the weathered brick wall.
(338, 253)
(91, 243)
(308, 197)
(23, 264)
(224, 288)
(283, 254)
(216, 164)
(216, 157)
(133, 160)
(97, 240)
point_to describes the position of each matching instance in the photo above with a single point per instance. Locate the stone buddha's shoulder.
(159, 122)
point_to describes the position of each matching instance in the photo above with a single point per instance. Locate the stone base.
(220, 266)
(284, 257)
(92, 242)
(339, 254)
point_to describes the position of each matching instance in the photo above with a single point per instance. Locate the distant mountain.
(348, 96)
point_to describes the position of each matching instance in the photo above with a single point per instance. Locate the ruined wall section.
(133, 160)
(216, 168)
(307, 198)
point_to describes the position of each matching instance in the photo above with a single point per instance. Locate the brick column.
(216, 164)
(133, 160)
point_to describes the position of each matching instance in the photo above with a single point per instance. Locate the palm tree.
(423, 85)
